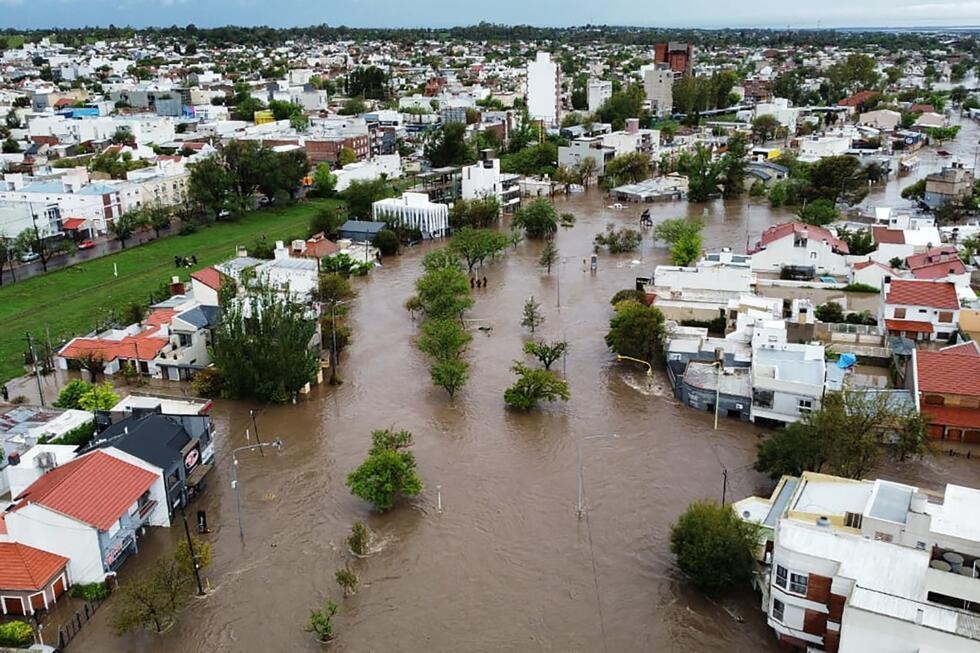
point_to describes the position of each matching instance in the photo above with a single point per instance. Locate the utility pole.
(190, 546)
(277, 444)
(37, 372)
(724, 484)
(255, 427)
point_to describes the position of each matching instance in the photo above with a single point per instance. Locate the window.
(777, 610)
(797, 583)
(781, 575)
(899, 313)
(853, 519)
(762, 398)
(813, 255)
(805, 405)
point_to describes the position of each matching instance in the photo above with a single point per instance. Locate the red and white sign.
(191, 458)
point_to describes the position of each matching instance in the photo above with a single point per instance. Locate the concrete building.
(597, 92)
(794, 246)
(787, 378)
(592, 147)
(15, 217)
(658, 85)
(484, 179)
(853, 566)
(414, 210)
(679, 57)
(883, 119)
(544, 89)
(98, 204)
(919, 309)
(952, 183)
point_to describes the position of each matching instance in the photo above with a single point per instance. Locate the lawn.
(70, 301)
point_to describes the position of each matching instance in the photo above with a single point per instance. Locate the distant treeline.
(268, 36)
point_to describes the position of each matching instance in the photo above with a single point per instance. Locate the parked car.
(86, 244)
(29, 257)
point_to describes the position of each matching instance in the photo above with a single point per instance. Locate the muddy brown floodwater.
(506, 566)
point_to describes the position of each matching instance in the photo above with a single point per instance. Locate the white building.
(787, 378)
(779, 108)
(597, 92)
(920, 309)
(855, 566)
(814, 148)
(702, 292)
(98, 204)
(800, 246)
(544, 89)
(91, 510)
(383, 164)
(658, 85)
(483, 179)
(414, 210)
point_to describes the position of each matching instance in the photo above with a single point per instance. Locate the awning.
(73, 224)
(198, 474)
(909, 326)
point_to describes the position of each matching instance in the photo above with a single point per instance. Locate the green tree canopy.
(447, 146)
(538, 219)
(474, 246)
(534, 386)
(714, 547)
(636, 330)
(388, 472)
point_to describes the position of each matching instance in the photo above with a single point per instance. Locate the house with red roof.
(90, 511)
(30, 579)
(870, 273)
(205, 284)
(919, 309)
(799, 246)
(947, 388)
(939, 263)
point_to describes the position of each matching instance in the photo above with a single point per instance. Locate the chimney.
(632, 125)
(176, 286)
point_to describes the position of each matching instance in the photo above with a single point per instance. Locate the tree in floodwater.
(388, 472)
(531, 317)
(534, 386)
(714, 547)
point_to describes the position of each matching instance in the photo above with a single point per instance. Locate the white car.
(29, 257)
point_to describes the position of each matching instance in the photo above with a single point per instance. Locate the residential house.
(850, 566)
(787, 378)
(947, 387)
(98, 204)
(951, 183)
(586, 147)
(360, 231)
(701, 292)
(918, 309)
(930, 120)
(205, 284)
(939, 263)
(182, 446)
(315, 247)
(801, 248)
(870, 273)
(658, 85)
(189, 333)
(31, 579)
(881, 119)
(484, 179)
(91, 511)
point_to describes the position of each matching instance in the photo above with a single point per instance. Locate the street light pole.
(620, 357)
(190, 545)
(278, 444)
(717, 390)
(581, 477)
(255, 427)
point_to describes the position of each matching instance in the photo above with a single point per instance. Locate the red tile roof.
(96, 489)
(780, 231)
(934, 294)
(209, 276)
(954, 416)
(911, 326)
(73, 224)
(939, 269)
(931, 256)
(24, 568)
(318, 246)
(968, 348)
(858, 98)
(922, 108)
(888, 236)
(948, 372)
(869, 263)
(143, 346)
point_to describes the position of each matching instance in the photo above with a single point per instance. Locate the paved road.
(102, 247)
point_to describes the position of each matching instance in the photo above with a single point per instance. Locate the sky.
(22, 14)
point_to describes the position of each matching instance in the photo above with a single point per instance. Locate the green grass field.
(70, 301)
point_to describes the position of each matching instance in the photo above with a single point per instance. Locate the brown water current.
(506, 565)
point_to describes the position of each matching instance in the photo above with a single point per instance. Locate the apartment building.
(853, 566)
(597, 92)
(544, 89)
(658, 85)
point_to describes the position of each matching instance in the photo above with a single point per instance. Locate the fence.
(68, 631)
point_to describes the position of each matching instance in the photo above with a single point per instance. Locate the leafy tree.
(10, 146)
(447, 146)
(151, 601)
(586, 170)
(284, 110)
(534, 386)
(627, 169)
(388, 472)
(443, 339)
(246, 108)
(538, 219)
(837, 178)
(915, 191)
(327, 221)
(819, 212)
(98, 397)
(186, 561)
(636, 330)
(845, 436)
(324, 181)
(71, 395)
(321, 621)
(387, 242)
(262, 346)
(158, 218)
(546, 353)
(628, 293)
(370, 82)
(829, 312)
(764, 127)
(361, 195)
(859, 241)
(619, 240)
(478, 213)
(733, 164)
(703, 174)
(347, 580)
(534, 160)
(475, 245)
(346, 156)
(125, 225)
(17, 634)
(450, 374)
(359, 538)
(443, 294)
(686, 250)
(714, 547)
(624, 104)
(531, 317)
(353, 107)
(209, 186)
(549, 255)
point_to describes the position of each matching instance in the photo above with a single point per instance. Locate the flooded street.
(506, 566)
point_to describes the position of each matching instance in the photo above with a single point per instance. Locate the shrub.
(16, 633)
(89, 591)
(359, 538)
(77, 436)
(714, 547)
(860, 287)
(208, 382)
(629, 293)
(72, 393)
(321, 621)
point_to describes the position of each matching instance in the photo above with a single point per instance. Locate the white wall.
(543, 89)
(783, 252)
(865, 631)
(44, 529)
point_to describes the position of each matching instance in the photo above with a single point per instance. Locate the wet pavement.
(506, 565)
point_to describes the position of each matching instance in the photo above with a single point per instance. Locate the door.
(971, 437)
(935, 432)
(59, 587)
(954, 435)
(37, 601)
(13, 605)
